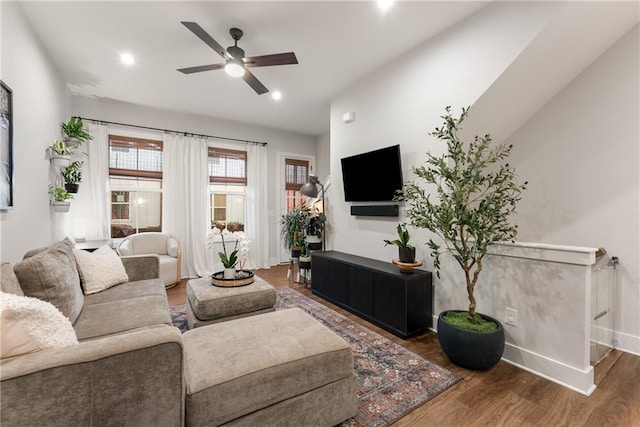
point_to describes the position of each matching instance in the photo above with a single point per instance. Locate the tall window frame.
(135, 184)
(296, 172)
(227, 188)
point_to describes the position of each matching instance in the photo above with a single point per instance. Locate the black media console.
(375, 290)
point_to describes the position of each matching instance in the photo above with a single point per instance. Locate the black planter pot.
(72, 188)
(305, 265)
(407, 255)
(471, 349)
(295, 252)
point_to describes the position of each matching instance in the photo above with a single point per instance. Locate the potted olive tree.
(74, 133)
(476, 192)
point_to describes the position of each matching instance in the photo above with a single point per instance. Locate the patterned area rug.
(392, 381)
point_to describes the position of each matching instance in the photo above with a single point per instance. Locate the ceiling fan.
(236, 63)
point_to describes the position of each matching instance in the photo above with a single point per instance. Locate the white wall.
(40, 104)
(402, 102)
(581, 156)
(323, 160)
(278, 140)
(579, 151)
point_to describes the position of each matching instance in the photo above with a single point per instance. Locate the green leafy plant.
(59, 194)
(74, 129)
(58, 148)
(72, 174)
(477, 193)
(292, 227)
(315, 221)
(403, 237)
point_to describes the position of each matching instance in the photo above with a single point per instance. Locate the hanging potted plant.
(72, 176)
(74, 133)
(406, 251)
(477, 193)
(60, 199)
(292, 229)
(59, 154)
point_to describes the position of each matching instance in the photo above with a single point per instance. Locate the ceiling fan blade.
(269, 60)
(205, 37)
(254, 82)
(199, 68)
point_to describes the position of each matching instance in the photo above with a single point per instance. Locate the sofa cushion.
(30, 324)
(126, 291)
(100, 269)
(8, 280)
(107, 318)
(51, 275)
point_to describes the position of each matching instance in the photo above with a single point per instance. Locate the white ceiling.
(336, 43)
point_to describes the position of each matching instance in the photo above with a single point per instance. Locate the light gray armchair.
(164, 245)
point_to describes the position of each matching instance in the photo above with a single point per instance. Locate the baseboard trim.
(573, 378)
(581, 381)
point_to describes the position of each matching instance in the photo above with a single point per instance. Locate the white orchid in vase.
(243, 248)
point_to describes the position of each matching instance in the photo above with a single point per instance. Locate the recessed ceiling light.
(127, 59)
(385, 4)
(277, 95)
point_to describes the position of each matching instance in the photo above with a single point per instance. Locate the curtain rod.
(174, 131)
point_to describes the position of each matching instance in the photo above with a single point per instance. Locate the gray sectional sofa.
(127, 364)
(127, 368)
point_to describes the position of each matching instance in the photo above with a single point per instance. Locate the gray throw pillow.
(52, 275)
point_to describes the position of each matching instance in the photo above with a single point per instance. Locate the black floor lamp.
(310, 189)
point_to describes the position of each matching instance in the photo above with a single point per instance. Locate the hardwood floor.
(504, 395)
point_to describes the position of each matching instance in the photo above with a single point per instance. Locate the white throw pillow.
(100, 269)
(30, 324)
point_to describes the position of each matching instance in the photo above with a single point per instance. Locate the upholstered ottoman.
(207, 304)
(282, 368)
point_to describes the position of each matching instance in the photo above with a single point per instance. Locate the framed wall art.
(6, 146)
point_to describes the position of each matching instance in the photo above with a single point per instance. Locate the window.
(227, 188)
(135, 181)
(296, 172)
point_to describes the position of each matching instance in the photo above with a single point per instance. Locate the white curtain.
(185, 192)
(257, 209)
(89, 214)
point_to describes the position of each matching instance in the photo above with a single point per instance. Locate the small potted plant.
(74, 133)
(59, 154)
(314, 227)
(60, 199)
(477, 193)
(406, 251)
(72, 176)
(305, 257)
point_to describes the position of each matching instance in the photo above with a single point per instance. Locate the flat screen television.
(373, 176)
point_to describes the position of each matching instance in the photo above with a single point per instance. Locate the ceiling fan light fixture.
(234, 67)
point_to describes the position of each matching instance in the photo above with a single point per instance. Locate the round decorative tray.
(406, 267)
(243, 278)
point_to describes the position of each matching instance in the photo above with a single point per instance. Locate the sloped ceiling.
(576, 36)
